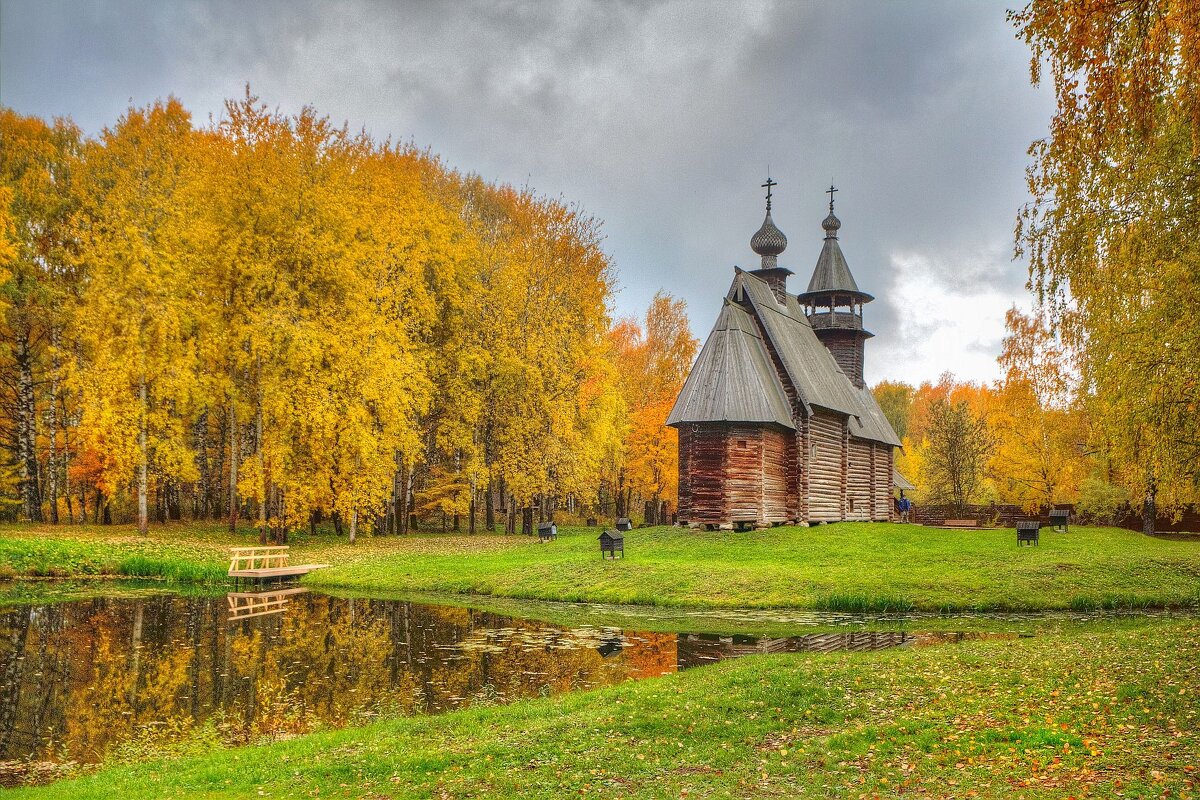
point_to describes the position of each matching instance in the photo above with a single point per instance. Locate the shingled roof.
(832, 273)
(732, 380)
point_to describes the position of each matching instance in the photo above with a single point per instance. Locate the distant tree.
(896, 400)
(1113, 230)
(1039, 435)
(653, 361)
(958, 447)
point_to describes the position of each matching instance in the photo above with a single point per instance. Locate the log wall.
(846, 347)
(737, 473)
(825, 463)
(701, 472)
(743, 475)
(780, 498)
(860, 477)
(882, 491)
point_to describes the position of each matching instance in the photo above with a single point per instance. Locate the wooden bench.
(1027, 531)
(960, 523)
(264, 563)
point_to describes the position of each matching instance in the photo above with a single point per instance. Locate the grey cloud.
(659, 118)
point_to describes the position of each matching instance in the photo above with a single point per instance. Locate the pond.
(114, 677)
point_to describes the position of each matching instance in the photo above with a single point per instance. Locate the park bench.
(960, 523)
(265, 563)
(1027, 531)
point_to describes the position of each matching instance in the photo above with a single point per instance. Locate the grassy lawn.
(1099, 713)
(847, 567)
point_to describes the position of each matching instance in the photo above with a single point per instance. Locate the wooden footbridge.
(265, 564)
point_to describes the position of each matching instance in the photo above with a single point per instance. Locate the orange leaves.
(653, 362)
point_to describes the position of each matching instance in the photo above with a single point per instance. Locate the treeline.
(1032, 439)
(274, 319)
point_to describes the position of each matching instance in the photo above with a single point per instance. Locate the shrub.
(1100, 501)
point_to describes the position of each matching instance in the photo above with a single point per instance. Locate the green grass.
(856, 567)
(1097, 713)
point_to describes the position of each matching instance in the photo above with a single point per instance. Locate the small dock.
(265, 564)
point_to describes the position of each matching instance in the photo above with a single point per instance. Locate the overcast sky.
(658, 118)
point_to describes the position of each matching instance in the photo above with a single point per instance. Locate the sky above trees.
(660, 119)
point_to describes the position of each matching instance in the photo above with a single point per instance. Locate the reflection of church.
(776, 424)
(698, 649)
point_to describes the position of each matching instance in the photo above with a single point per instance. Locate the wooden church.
(775, 422)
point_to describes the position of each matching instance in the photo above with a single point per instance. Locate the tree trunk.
(67, 472)
(52, 421)
(201, 504)
(234, 447)
(471, 515)
(31, 495)
(489, 510)
(621, 510)
(266, 483)
(1149, 510)
(143, 462)
(402, 510)
(353, 525)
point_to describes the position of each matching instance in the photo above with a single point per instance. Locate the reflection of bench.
(243, 605)
(264, 563)
(961, 523)
(1027, 531)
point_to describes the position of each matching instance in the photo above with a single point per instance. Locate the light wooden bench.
(960, 523)
(264, 563)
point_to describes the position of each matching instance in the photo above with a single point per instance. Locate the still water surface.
(83, 680)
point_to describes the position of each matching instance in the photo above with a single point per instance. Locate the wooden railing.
(244, 558)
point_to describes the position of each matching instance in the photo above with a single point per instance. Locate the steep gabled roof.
(732, 379)
(807, 362)
(809, 365)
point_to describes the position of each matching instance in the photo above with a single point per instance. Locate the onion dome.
(831, 225)
(769, 240)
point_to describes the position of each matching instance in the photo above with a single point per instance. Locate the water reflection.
(257, 604)
(82, 680)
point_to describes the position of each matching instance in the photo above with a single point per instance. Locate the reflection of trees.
(79, 679)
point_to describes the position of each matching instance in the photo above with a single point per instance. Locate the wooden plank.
(276, 572)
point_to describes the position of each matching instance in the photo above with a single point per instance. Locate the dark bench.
(1027, 531)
